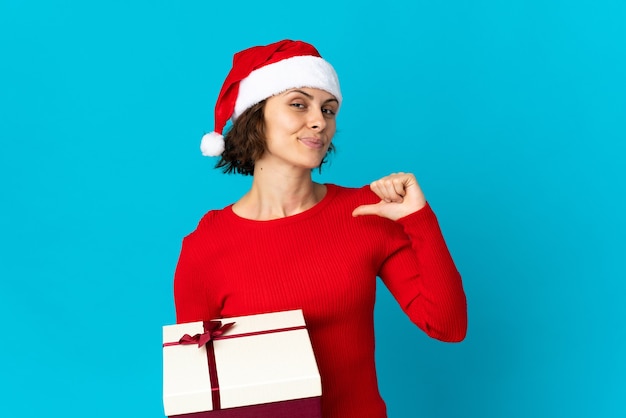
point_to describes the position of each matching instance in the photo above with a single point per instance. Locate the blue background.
(511, 114)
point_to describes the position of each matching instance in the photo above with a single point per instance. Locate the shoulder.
(210, 218)
(346, 199)
(354, 195)
(212, 223)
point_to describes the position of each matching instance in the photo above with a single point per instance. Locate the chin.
(310, 163)
(314, 165)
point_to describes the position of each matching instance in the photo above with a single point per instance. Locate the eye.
(329, 111)
(297, 105)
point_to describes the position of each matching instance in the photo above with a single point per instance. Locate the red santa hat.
(264, 71)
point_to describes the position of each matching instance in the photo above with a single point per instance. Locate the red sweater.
(325, 262)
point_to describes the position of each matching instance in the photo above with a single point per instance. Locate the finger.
(378, 187)
(365, 210)
(399, 186)
(391, 189)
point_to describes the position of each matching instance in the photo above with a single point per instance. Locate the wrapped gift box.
(260, 366)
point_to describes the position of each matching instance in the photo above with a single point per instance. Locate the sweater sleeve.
(422, 277)
(190, 286)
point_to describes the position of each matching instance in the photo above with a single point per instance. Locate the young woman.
(291, 243)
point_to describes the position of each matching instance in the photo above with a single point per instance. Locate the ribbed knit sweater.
(325, 262)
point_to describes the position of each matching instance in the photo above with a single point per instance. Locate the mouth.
(312, 142)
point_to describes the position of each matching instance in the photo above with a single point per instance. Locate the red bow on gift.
(212, 329)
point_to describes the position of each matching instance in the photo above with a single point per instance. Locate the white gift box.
(263, 365)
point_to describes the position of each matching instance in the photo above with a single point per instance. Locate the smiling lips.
(312, 142)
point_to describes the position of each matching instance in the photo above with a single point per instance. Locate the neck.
(276, 195)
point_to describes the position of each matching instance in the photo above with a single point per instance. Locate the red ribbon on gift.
(214, 330)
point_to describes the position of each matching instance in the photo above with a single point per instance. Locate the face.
(299, 126)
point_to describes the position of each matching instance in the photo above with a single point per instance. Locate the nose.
(317, 120)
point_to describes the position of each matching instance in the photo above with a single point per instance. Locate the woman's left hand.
(400, 195)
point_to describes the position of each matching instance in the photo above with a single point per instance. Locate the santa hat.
(264, 71)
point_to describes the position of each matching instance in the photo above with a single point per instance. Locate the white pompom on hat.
(264, 71)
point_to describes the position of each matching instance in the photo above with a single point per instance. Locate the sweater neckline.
(331, 191)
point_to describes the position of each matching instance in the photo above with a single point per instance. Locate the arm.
(433, 296)
(420, 273)
(190, 293)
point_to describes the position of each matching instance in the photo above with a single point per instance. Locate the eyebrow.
(310, 96)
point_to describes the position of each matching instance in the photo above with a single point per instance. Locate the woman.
(291, 243)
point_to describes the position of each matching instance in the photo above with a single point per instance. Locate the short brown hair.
(244, 143)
